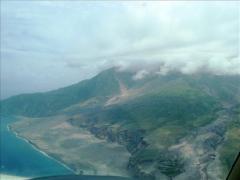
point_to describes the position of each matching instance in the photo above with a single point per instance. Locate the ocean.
(19, 158)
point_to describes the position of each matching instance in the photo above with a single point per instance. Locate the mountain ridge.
(104, 84)
(148, 116)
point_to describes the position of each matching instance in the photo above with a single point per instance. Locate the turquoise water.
(20, 158)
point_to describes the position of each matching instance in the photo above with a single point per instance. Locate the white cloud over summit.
(50, 44)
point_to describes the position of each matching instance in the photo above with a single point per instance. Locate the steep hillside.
(44, 104)
(174, 126)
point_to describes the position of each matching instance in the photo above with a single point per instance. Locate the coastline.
(82, 159)
(38, 149)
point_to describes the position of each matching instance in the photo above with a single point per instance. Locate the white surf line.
(39, 150)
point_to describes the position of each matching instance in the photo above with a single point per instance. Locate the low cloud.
(140, 74)
(56, 43)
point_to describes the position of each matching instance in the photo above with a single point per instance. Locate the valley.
(173, 126)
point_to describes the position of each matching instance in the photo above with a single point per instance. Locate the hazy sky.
(47, 45)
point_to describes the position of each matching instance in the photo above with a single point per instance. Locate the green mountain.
(174, 126)
(44, 104)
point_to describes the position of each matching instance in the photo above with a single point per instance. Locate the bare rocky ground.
(76, 147)
(94, 151)
(161, 127)
(200, 150)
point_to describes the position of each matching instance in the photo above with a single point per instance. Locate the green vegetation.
(164, 109)
(45, 104)
(231, 146)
